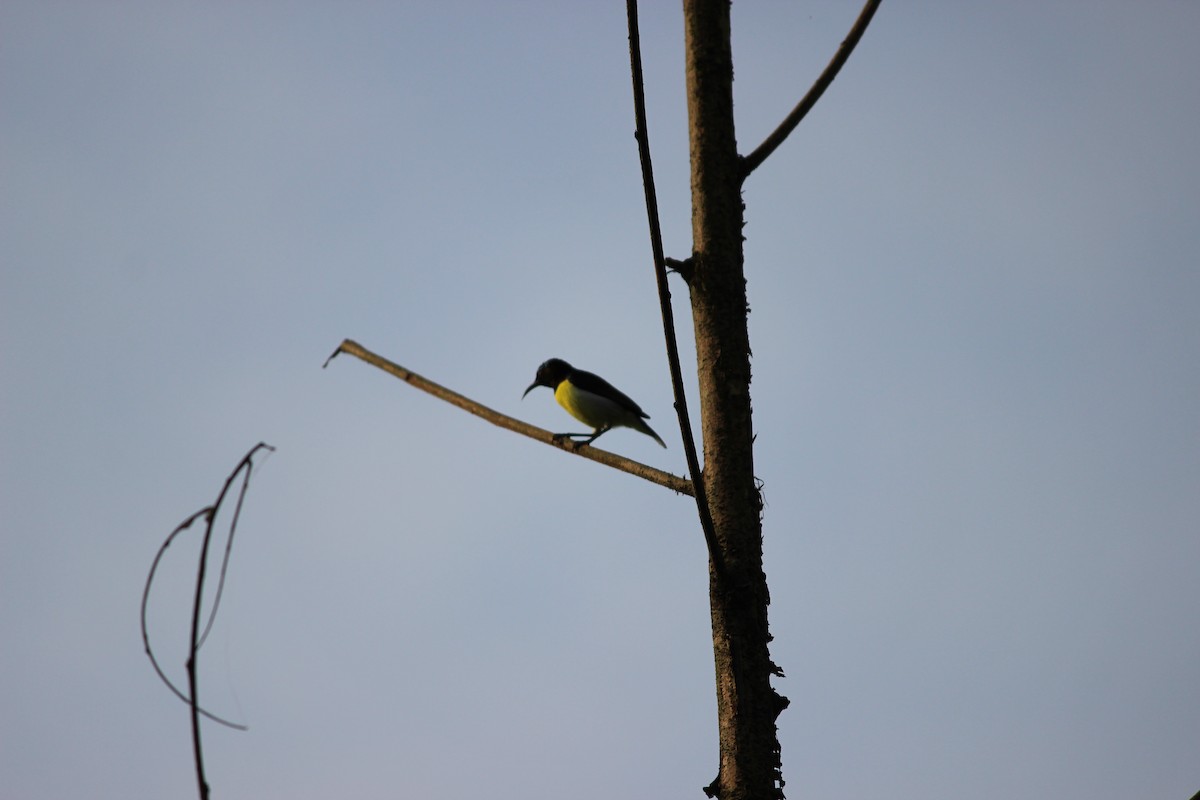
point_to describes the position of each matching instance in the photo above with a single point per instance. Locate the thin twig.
(245, 466)
(237, 512)
(759, 155)
(145, 628)
(664, 291)
(673, 482)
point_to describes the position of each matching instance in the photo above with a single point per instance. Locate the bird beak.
(532, 386)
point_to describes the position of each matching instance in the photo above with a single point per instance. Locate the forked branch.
(208, 514)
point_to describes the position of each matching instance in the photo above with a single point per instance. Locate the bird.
(591, 400)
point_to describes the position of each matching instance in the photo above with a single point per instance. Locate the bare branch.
(209, 514)
(204, 512)
(664, 291)
(760, 154)
(244, 466)
(672, 482)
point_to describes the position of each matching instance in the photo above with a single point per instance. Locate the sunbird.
(591, 400)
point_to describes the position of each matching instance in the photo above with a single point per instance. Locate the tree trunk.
(747, 705)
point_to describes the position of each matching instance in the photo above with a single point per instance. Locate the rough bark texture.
(747, 705)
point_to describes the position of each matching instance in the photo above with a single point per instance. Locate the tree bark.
(747, 705)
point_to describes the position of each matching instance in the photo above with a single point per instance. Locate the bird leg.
(591, 437)
(596, 434)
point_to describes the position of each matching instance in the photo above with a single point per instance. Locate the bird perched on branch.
(591, 400)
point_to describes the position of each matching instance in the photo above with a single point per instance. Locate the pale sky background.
(976, 332)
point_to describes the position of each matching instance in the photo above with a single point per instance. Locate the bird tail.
(646, 429)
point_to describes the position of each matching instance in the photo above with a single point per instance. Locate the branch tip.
(771, 143)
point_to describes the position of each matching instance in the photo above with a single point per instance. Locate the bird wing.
(593, 383)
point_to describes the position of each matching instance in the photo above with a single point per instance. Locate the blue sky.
(974, 293)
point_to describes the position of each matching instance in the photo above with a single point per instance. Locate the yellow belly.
(588, 408)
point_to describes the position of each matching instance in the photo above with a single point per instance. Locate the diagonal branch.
(673, 482)
(664, 292)
(760, 154)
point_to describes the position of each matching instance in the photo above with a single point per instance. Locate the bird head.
(550, 374)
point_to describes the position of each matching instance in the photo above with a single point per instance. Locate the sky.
(974, 288)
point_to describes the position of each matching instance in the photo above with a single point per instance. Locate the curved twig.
(237, 512)
(664, 291)
(145, 629)
(244, 466)
(672, 482)
(209, 513)
(760, 153)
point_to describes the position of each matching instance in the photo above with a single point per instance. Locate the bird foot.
(570, 437)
